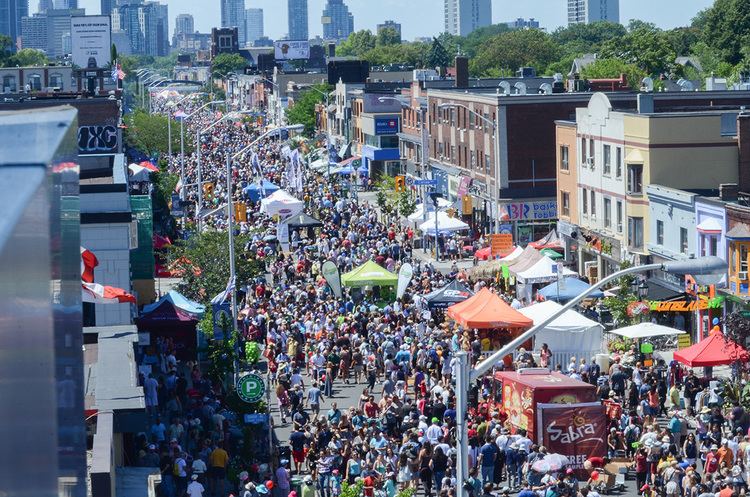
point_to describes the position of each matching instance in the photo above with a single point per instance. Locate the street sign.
(425, 182)
(251, 388)
(410, 181)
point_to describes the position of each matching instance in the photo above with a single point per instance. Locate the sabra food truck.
(557, 411)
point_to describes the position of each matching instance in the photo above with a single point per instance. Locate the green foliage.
(392, 202)
(355, 490)
(303, 110)
(613, 68)
(590, 36)
(252, 352)
(732, 391)
(645, 46)
(438, 56)
(388, 36)
(208, 271)
(357, 44)
(470, 44)
(737, 327)
(406, 204)
(113, 52)
(514, 49)
(725, 27)
(27, 57)
(407, 492)
(149, 134)
(227, 63)
(618, 305)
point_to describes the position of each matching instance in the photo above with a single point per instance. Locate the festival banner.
(333, 277)
(577, 431)
(404, 277)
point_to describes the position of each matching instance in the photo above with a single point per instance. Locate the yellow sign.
(501, 244)
(686, 305)
(683, 341)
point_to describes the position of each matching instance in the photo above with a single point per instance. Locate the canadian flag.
(99, 294)
(88, 263)
(94, 292)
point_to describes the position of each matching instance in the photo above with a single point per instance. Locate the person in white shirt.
(195, 489)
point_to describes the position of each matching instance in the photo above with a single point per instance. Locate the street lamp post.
(170, 105)
(701, 266)
(496, 128)
(277, 101)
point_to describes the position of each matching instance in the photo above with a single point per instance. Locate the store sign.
(501, 244)
(386, 125)
(577, 432)
(529, 211)
(686, 305)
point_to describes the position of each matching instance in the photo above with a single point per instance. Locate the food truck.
(517, 393)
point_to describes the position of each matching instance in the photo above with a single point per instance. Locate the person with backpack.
(438, 465)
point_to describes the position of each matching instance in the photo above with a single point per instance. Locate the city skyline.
(421, 17)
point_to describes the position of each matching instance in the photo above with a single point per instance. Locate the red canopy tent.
(486, 310)
(550, 240)
(715, 350)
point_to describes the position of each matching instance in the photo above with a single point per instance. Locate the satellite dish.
(545, 89)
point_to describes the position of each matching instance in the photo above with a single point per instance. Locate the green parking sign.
(251, 388)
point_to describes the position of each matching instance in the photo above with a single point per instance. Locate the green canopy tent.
(552, 254)
(369, 274)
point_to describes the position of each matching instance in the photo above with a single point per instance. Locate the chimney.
(462, 72)
(645, 103)
(743, 151)
(728, 191)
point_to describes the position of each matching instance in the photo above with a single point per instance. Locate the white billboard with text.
(91, 39)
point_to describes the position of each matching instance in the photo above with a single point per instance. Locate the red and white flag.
(88, 263)
(99, 294)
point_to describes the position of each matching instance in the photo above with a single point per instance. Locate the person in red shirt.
(641, 467)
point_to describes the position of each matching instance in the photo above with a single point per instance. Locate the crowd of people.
(679, 436)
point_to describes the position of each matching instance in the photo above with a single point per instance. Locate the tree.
(6, 46)
(645, 46)
(591, 35)
(204, 262)
(613, 68)
(28, 57)
(149, 133)
(225, 64)
(470, 44)
(438, 56)
(726, 28)
(388, 36)
(512, 50)
(357, 44)
(113, 52)
(303, 110)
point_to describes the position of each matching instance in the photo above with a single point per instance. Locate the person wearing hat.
(195, 489)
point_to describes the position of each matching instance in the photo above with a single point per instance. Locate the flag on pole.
(226, 294)
(117, 72)
(99, 294)
(88, 263)
(178, 186)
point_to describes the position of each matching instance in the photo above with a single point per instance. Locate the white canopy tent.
(646, 330)
(571, 334)
(139, 173)
(282, 204)
(445, 224)
(417, 215)
(513, 255)
(544, 271)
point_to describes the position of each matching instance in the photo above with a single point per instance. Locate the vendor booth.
(419, 215)
(172, 317)
(550, 240)
(370, 275)
(280, 203)
(569, 335)
(570, 289)
(645, 330)
(256, 191)
(452, 293)
(716, 350)
(445, 224)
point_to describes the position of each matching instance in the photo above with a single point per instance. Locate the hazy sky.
(424, 17)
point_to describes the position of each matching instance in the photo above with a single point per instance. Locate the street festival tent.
(568, 335)
(418, 214)
(280, 203)
(303, 220)
(255, 191)
(369, 274)
(486, 310)
(445, 224)
(715, 350)
(550, 240)
(572, 288)
(452, 293)
(645, 330)
(174, 317)
(552, 254)
(496, 265)
(543, 271)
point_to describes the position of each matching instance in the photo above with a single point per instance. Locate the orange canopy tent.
(486, 310)
(715, 350)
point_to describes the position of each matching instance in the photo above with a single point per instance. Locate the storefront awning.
(739, 232)
(709, 226)
(634, 156)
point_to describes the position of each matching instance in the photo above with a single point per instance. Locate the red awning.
(715, 350)
(486, 310)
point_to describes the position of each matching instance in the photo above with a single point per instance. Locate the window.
(713, 245)
(56, 80)
(583, 151)
(635, 232)
(584, 201)
(565, 204)
(659, 232)
(453, 153)
(441, 149)
(607, 212)
(743, 258)
(473, 160)
(593, 203)
(486, 163)
(684, 240)
(635, 179)
(592, 155)
(564, 154)
(618, 162)
(619, 216)
(9, 84)
(607, 158)
(35, 82)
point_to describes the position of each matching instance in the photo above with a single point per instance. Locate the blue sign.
(386, 125)
(425, 182)
(176, 205)
(224, 309)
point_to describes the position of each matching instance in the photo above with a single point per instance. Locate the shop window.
(659, 232)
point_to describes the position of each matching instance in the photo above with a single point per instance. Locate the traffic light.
(400, 184)
(240, 212)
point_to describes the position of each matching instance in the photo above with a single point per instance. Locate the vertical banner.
(282, 234)
(333, 277)
(404, 277)
(577, 431)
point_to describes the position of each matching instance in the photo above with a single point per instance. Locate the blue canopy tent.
(256, 192)
(569, 290)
